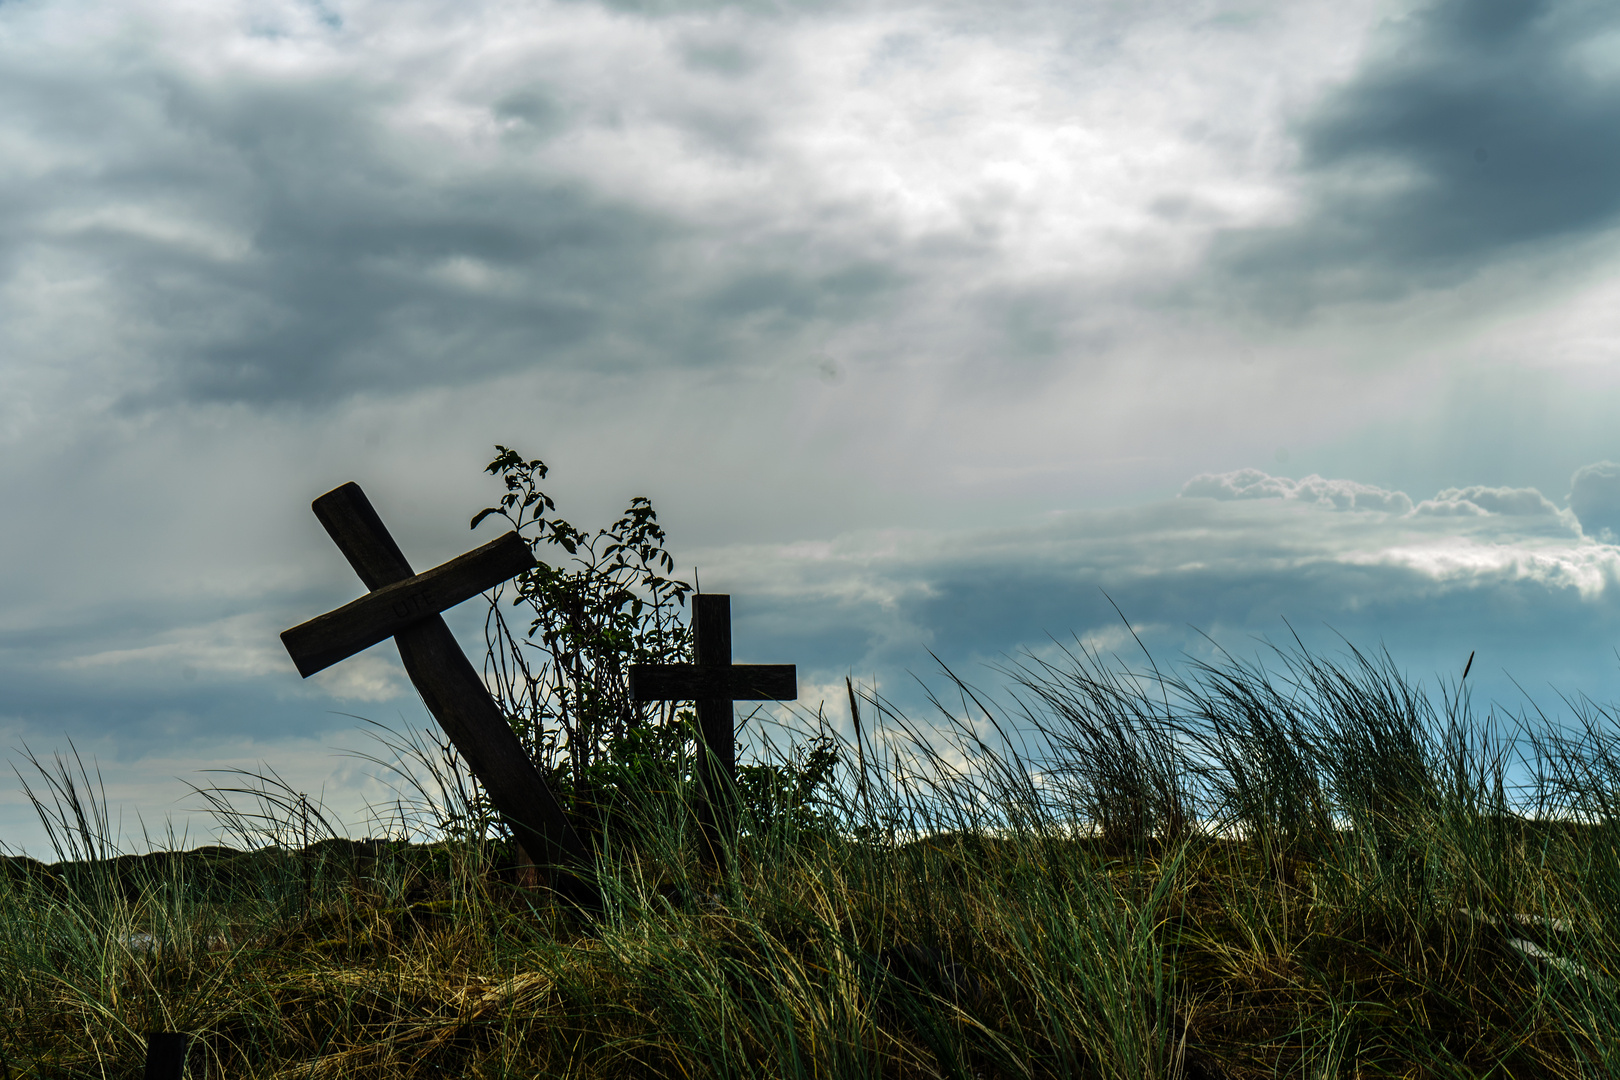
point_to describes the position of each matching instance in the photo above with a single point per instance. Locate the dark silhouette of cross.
(405, 606)
(714, 682)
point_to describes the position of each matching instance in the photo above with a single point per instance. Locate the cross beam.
(382, 613)
(405, 605)
(714, 682)
(688, 682)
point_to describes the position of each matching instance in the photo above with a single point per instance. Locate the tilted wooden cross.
(714, 682)
(405, 606)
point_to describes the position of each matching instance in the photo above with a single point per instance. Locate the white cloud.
(242, 646)
(1478, 501)
(374, 675)
(1588, 569)
(1475, 501)
(1314, 490)
(1594, 498)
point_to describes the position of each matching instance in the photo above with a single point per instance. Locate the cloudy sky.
(925, 326)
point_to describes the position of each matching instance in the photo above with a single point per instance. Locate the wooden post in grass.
(166, 1055)
(714, 682)
(405, 606)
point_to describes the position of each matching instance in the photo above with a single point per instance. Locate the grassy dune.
(1312, 869)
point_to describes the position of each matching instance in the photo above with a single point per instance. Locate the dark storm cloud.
(342, 298)
(323, 251)
(1474, 128)
(1021, 608)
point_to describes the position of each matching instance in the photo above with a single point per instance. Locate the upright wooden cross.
(405, 606)
(714, 682)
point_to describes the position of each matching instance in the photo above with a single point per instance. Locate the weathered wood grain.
(382, 613)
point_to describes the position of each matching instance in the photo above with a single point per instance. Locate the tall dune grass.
(1305, 866)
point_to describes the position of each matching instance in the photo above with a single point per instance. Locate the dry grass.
(1369, 896)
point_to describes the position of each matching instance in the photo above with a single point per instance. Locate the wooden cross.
(405, 606)
(714, 682)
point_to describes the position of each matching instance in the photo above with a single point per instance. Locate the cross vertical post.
(165, 1055)
(717, 757)
(713, 682)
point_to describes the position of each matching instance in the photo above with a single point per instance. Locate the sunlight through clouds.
(952, 327)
